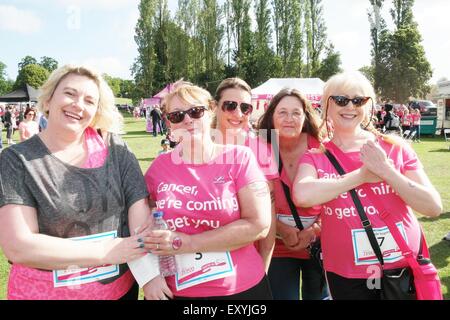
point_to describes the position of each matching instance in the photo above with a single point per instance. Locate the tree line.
(205, 41)
(35, 73)
(399, 68)
(208, 40)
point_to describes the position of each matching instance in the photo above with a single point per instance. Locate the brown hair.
(311, 125)
(231, 83)
(28, 110)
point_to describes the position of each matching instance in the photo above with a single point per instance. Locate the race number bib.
(196, 268)
(75, 276)
(363, 251)
(290, 221)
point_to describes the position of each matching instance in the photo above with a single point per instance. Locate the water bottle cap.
(158, 214)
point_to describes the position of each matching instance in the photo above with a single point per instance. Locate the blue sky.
(101, 32)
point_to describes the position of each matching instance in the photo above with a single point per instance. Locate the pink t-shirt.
(28, 129)
(346, 250)
(33, 284)
(264, 156)
(406, 120)
(283, 212)
(198, 198)
(416, 119)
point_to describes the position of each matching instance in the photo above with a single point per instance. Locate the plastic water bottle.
(167, 264)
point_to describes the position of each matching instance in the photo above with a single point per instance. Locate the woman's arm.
(254, 224)
(309, 190)
(267, 244)
(22, 133)
(414, 187)
(23, 244)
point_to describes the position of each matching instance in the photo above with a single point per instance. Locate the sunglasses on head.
(342, 101)
(230, 106)
(194, 113)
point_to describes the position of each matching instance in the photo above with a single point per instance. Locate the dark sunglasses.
(194, 113)
(342, 101)
(230, 106)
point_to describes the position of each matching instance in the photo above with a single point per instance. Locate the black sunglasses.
(230, 106)
(342, 101)
(194, 113)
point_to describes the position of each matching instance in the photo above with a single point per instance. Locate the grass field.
(433, 153)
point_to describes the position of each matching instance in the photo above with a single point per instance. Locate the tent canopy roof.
(307, 86)
(25, 94)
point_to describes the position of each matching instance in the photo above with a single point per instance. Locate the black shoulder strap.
(287, 193)
(362, 214)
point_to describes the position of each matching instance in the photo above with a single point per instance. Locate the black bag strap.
(362, 214)
(287, 193)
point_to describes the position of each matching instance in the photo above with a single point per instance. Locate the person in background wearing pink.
(232, 110)
(406, 120)
(416, 117)
(28, 127)
(75, 179)
(387, 176)
(297, 130)
(216, 202)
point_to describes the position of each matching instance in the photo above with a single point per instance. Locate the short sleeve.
(13, 187)
(249, 170)
(265, 157)
(307, 159)
(149, 181)
(410, 160)
(133, 183)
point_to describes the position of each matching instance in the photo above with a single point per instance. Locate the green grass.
(433, 153)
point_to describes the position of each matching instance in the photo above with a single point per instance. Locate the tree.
(377, 29)
(330, 65)
(402, 13)
(262, 63)
(211, 33)
(144, 65)
(32, 74)
(368, 71)
(315, 33)
(127, 88)
(404, 69)
(114, 84)
(241, 26)
(26, 61)
(6, 85)
(49, 63)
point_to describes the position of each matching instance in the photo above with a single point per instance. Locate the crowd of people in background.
(244, 203)
(22, 118)
(399, 119)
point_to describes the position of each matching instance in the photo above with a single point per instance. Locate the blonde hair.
(346, 81)
(189, 93)
(107, 118)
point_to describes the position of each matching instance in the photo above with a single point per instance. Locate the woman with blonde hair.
(216, 202)
(387, 178)
(297, 129)
(70, 195)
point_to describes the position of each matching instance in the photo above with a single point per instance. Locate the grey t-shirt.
(72, 201)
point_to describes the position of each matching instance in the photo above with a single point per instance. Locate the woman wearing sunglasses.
(296, 124)
(28, 127)
(387, 177)
(216, 202)
(233, 108)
